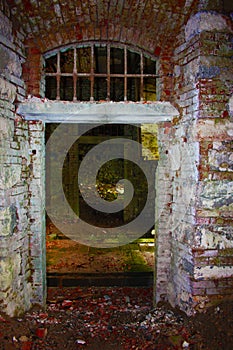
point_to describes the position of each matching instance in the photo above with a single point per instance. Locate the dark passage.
(71, 263)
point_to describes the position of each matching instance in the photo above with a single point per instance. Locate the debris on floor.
(117, 319)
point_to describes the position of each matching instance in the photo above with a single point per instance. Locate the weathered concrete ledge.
(94, 112)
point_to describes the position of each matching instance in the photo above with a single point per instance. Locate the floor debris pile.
(117, 319)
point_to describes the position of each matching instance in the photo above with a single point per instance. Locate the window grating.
(97, 72)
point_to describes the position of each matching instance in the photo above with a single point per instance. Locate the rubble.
(114, 318)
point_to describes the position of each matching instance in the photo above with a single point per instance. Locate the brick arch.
(106, 20)
(32, 68)
(103, 32)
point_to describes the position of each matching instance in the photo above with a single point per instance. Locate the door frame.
(38, 111)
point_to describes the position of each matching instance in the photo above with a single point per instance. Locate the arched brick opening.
(33, 66)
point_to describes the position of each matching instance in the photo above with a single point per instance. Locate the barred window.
(100, 71)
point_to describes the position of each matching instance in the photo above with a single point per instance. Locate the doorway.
(38, 113)
(74, 263)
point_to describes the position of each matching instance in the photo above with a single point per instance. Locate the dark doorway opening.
(71, 263)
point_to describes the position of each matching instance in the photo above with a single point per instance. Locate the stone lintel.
(94, 112)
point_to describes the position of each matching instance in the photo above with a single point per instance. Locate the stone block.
(198, 291)
(200, 252)
(218, 291)
(7, 129)
(212, 130)
(220, 160)
(10, 64)
(5, 27)
(216, 194)
(217, 238)
(6, 276)
(213, 272)
(9, 176)
(9, 269)
(7, 221)
(7, 91)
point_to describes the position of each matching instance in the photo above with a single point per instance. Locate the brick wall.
(202, 245)
(18, 166)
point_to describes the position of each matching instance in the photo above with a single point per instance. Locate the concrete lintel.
(87, 112)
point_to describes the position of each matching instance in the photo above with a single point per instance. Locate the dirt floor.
(115, 319)
(67, 256)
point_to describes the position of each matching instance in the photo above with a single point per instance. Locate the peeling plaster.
(211, 272)
(206, 21)
(214, 240)
(216, 194)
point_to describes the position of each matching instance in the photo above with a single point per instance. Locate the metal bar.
(108, 76)
(141, 78)
(92, 73)
(58, 76)
(75, 75)
(108, 72)
(125, 73)
(104, 75)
